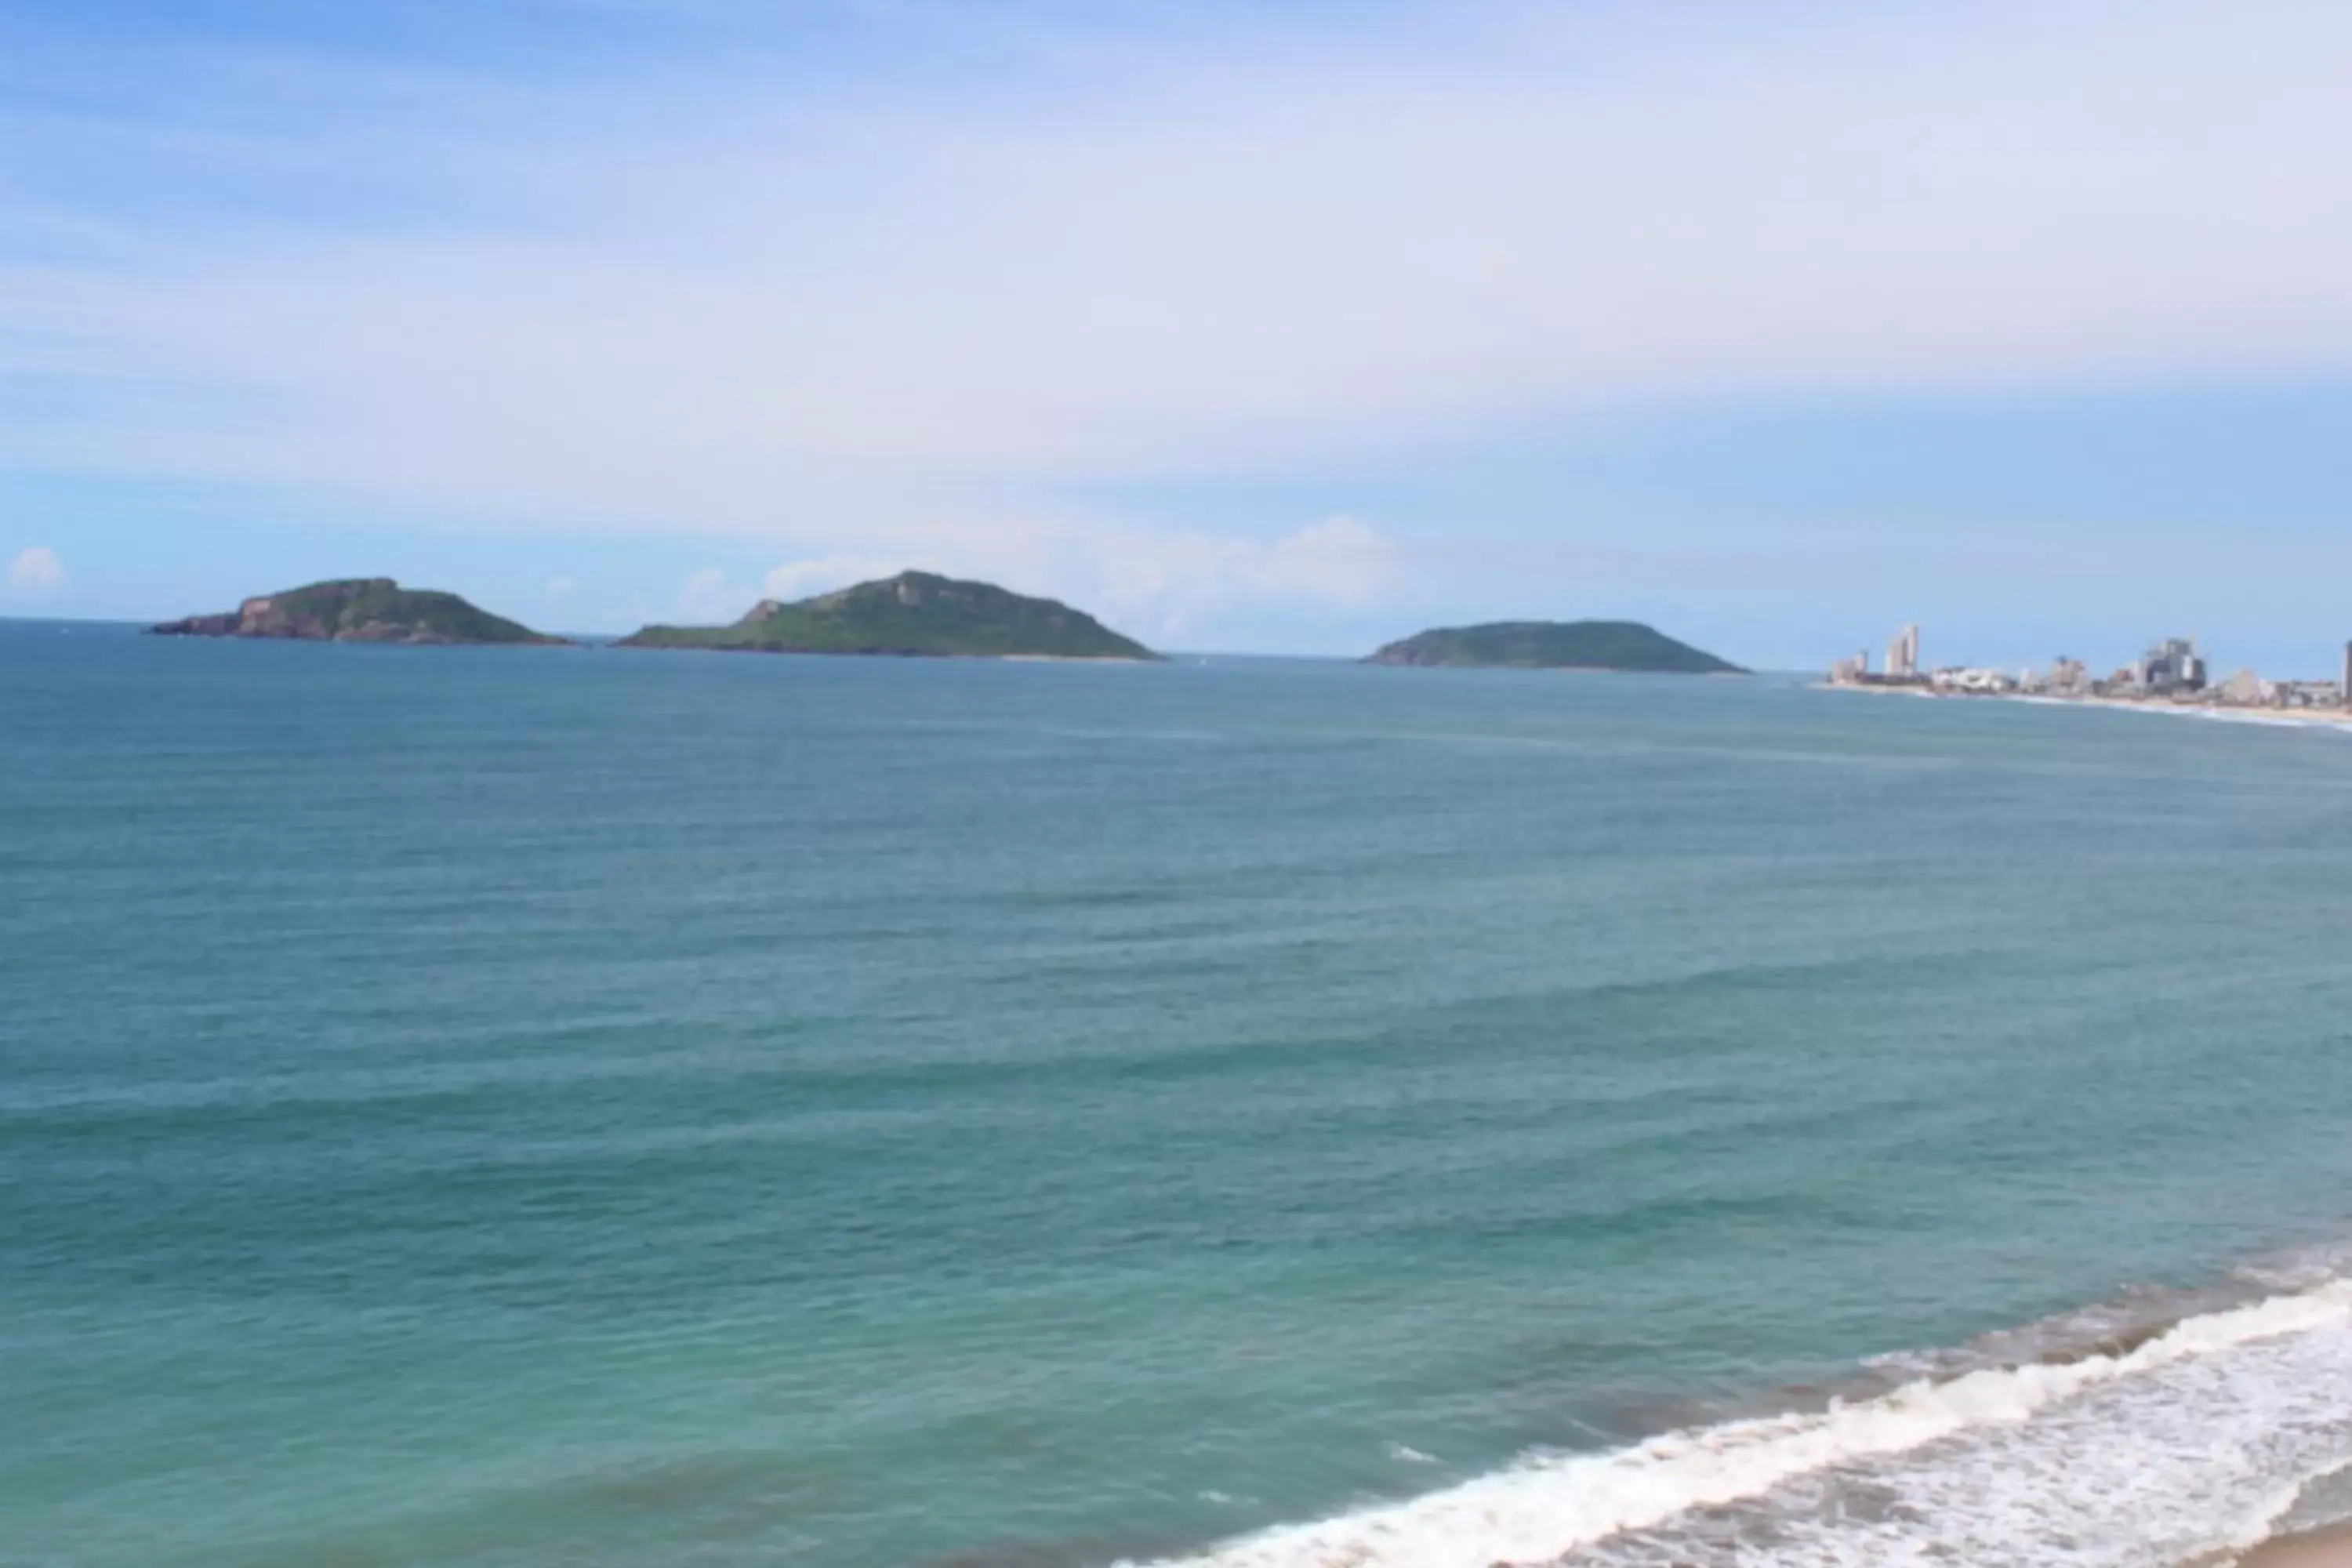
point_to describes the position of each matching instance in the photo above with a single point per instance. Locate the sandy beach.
(2326, 718)
(2298, 718)
(2329, 1548)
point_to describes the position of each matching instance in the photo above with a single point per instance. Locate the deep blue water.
(519, 1107)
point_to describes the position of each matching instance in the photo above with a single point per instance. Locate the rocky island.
(358, 609)
(1554, 645)
(918, 614)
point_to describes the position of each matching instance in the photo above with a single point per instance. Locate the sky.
(1285, 329)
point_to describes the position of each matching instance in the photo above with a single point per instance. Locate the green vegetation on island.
(915, 613)
(1554, 645)
(358, 609)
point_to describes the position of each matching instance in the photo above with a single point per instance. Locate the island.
(1553, 645)
(914, 614)
(359, 609)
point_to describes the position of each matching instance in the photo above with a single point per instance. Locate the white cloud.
(800, 579)
(706, 595)
(561, 588)
(1173, 583)
(1157, 583)
(1339, 560)
(36, 571)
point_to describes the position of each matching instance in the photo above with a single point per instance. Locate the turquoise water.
(518, 1106)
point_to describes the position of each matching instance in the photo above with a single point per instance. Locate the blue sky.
(1284, 328)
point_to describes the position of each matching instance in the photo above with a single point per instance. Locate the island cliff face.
(358, 609)
(913, 613)
(1554, 645)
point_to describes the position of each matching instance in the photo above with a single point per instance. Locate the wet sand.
(2330, 1548)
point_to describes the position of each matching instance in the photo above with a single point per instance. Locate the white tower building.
(1903, 654)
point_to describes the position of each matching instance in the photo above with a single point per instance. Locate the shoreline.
(2280, 717)
(2000, 1403)
(2330, 1546)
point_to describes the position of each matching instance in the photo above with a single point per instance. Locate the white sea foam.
(2192, 1441)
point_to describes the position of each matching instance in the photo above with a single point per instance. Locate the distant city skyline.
(2172, 672)
(1292, 334)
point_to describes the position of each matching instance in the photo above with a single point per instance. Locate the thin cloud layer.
(874, 334)
(1165, 585)
(34, 571)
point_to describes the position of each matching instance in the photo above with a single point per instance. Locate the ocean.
(508, 1108)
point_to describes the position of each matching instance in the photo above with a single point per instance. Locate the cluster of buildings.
(1902, 664)
(2172, 670)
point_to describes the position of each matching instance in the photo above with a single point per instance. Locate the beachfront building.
(1903, 654)
(2172, 665)
(1974, 681)
(2305, 694)
(1902, 665)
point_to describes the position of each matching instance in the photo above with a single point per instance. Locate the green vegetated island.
(1554, 645)
(916, 614)
(359, 609)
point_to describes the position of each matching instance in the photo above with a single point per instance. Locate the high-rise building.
(1903, 654)
(2172, 665)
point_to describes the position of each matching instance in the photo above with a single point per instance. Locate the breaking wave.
(2115, 1439)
